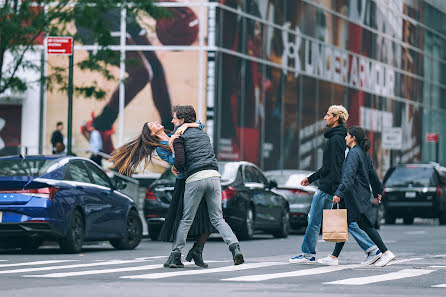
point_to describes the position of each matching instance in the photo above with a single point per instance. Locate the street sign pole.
(70, 105)
(62, 45)
(437, 151)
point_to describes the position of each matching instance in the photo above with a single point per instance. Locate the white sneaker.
(329, 260)
(372, 257)
(385, 259)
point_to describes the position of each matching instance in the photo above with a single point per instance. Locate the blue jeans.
(321, 201)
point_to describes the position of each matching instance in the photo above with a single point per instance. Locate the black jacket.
(330, 173)
(194, 152)
(357, 176)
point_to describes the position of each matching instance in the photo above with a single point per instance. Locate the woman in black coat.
(354, 191)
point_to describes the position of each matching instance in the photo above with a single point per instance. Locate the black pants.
(97, 159)
(367, 227)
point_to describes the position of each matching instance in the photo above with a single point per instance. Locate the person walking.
(329, 176)
(57, 139)
(152, 145)
(95, 145)
(353, 193)
(194, 155)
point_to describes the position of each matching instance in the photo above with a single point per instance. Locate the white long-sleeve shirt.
(95, 142)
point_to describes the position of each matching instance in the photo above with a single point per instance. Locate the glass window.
(24, 167)
(76, 172)
(251, 175)
(411, 174)
(99, 177)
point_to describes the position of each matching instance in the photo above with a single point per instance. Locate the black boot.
(174, 261)
(236, 253)
(196, 253)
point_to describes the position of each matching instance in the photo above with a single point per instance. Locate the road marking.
(36, 263)
(439, 256)
(357, 281)
(204, 271)
(311, 271)
(439, 286)
(104, 271)
(415, 232)
(439, 266)
(403, 261)
(113, 262)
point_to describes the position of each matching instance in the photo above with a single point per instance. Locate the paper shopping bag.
(334, 225)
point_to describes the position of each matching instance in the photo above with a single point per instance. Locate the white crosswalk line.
(100, 271)
(113, 262)
(403, 261)
(36, 263)
(439, 286)
(311, 271)
(357, 281)
(204, 271)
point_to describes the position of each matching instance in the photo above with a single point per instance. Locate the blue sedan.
(65, 199)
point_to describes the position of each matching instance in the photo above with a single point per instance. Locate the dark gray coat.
(358, 174)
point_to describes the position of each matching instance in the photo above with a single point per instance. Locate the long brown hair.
(127, 157)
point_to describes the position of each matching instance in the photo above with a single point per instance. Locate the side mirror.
(121, 185)
(272, 184)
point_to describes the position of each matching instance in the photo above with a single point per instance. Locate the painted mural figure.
(143, 67)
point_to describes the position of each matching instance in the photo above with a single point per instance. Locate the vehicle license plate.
(411, 194)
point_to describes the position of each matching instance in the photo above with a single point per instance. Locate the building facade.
(262, 74)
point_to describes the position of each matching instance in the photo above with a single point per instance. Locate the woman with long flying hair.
(353, 194)
(153, 142)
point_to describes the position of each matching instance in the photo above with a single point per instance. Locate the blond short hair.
(339, 110)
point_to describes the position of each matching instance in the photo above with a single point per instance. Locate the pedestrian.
(194, 155)
(353, 193)
(57, 139)
(329, 176)
(152, 145)
(95, 145)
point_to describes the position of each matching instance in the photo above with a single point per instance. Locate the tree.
(24, 23)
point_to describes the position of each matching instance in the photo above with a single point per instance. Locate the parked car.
(415, 190)
(299, 197)
(250, 202)
(66, 199)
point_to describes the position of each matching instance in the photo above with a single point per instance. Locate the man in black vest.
(194, 155)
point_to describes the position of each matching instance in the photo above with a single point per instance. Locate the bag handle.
(337, 203)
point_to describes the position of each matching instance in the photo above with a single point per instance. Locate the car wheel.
(133, 233)
(284, 226)
(30, 245)
(390, 219)
(74, 239)
(408, 220)
(248, 225)
(154, 232)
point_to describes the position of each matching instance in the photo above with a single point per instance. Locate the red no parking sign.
(59, 45)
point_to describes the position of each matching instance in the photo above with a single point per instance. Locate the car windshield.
(166, 178)
(402, 176)
(287, 180)
(26, 167)
(228, 171)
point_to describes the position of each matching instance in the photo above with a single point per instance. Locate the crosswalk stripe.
(439, 286)
(405, 273)
(113, 262)
(35, 263)
(103, 271)
(311, 271)
(204, 271)
(403, 261)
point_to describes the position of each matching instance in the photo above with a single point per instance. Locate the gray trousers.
(210, 189)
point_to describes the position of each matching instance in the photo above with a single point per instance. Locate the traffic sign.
(392, 138)
(432, 137)
(59, 45)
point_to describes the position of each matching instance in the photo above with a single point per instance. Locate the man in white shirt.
(95, 145)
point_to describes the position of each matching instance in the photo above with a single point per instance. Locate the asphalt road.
(100, 270)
